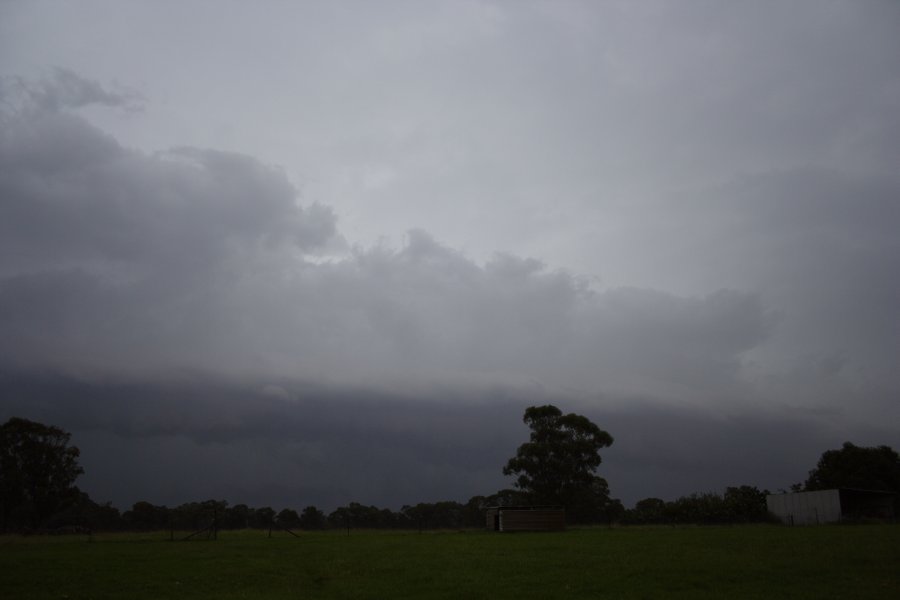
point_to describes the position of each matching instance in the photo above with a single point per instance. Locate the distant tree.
(416, 516)
(506, 497)
(438, 515)
(199, 515)
(873, 468)
(614, 511)
(649, 511)
(745, 504)
(237, 517)
(288, 518)
(558, 463)
(84, 513)
(185, 516)
(473, 511)
(263, 517)
(101, 517)
(591, 503)
(145, 516)
(38, 469)
(359, 516)
(312, 519)
(341, 517)
(705, 509)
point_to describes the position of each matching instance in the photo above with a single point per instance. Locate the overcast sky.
(294, 253)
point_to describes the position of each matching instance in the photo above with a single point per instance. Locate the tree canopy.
(558, 463)
(38, 469)
(868, 468)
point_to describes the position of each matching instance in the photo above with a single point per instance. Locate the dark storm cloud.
(294, 444)
(116, 260)
(108, 248)
(74, 197)
(203, 334)
(317, 444)
(820, 246)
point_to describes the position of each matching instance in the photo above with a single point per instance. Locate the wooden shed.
(525, 518)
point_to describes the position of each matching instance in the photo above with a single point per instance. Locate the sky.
(294, 253)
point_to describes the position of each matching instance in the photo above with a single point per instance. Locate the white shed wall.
(806, 508)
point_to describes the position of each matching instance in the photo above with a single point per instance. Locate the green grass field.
(689, 562)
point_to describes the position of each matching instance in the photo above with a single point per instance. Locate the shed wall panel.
(806, 508)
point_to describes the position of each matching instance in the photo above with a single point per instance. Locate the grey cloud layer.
(192, 438)
(116, 260)
(676, 149)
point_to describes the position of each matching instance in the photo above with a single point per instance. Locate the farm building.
(525, 518)
(831, 506)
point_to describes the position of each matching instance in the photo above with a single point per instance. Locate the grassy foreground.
(722, 562)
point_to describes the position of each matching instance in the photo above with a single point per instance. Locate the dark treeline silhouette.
(193, 516)
(744, 504)
(858, 467)
(38, 469)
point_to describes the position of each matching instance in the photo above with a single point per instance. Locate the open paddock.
(660, 562)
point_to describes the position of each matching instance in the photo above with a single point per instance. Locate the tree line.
(556, 466)
(743, 504)
(193, 516)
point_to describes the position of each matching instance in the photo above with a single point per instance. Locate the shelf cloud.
(348, 285)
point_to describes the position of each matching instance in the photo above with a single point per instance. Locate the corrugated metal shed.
(806, 508)
(525, 518)
(831, 506)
